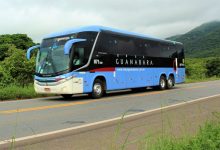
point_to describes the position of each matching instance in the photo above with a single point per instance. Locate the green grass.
(208, 138)
(13, 92)
(193, 80)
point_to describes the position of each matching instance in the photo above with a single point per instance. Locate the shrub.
(213, 67)
(4, 50)
(195, 68)
(5, 79)
(18, 67)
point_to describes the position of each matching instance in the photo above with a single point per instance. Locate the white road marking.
(104, 121)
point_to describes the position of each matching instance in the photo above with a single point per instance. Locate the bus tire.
(162, 83)
(170, 82)
(98, 89)
(66, 96)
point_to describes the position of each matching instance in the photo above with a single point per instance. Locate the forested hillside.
(203, 41)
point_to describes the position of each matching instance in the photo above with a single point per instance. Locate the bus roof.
(96, 28)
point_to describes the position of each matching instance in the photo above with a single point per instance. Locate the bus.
(96, 59)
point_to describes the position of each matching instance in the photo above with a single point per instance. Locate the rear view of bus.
(97, 59)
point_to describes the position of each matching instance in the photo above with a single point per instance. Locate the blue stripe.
(124, 78)
(132, 77)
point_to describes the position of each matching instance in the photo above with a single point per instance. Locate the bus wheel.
(98, 89)
(66, 96)
(170, 82)
(162, 83)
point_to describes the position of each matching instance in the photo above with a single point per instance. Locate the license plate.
(47, 89)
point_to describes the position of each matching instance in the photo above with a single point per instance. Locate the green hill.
(203, 41)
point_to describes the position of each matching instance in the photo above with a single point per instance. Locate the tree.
(5, 79)
(18, 67)
(3, 51)
(21, 41)
(14, 67)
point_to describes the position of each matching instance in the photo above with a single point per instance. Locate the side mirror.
(28, 55)
(69, 44)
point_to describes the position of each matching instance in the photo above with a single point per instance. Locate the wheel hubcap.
(162, 83)
(170, 82)
(97, 88)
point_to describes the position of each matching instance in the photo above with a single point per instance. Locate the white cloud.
(155, 17)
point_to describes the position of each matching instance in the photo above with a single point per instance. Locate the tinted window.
(106, 44)
(81, 51)
(141, 47)
(112, 43)
(165, 50)
(180, 52)
(154, 49)
(89, 36)
(125, 46)
(169, 51)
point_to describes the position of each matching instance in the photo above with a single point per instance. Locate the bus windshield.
(51, 58)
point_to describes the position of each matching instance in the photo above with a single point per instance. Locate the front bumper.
(64, 86)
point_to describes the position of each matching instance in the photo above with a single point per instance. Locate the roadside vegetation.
(16, 72)
(202, 69)
(207, 138)
(18, 92)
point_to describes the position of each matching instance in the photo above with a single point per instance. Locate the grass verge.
(208, 138)
(13, 92)
(194, 80)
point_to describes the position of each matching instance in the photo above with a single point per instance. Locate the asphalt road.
(33, 117)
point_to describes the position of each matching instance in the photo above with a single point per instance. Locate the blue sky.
(161, 18)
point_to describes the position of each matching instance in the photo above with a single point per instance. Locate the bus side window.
(165, 50)
(125, 45)
(174, 53)
(180, 52)
(154, 49)
(106, 44)
(147, 47)
(78, 56)
(86, 46)
(140, 47)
